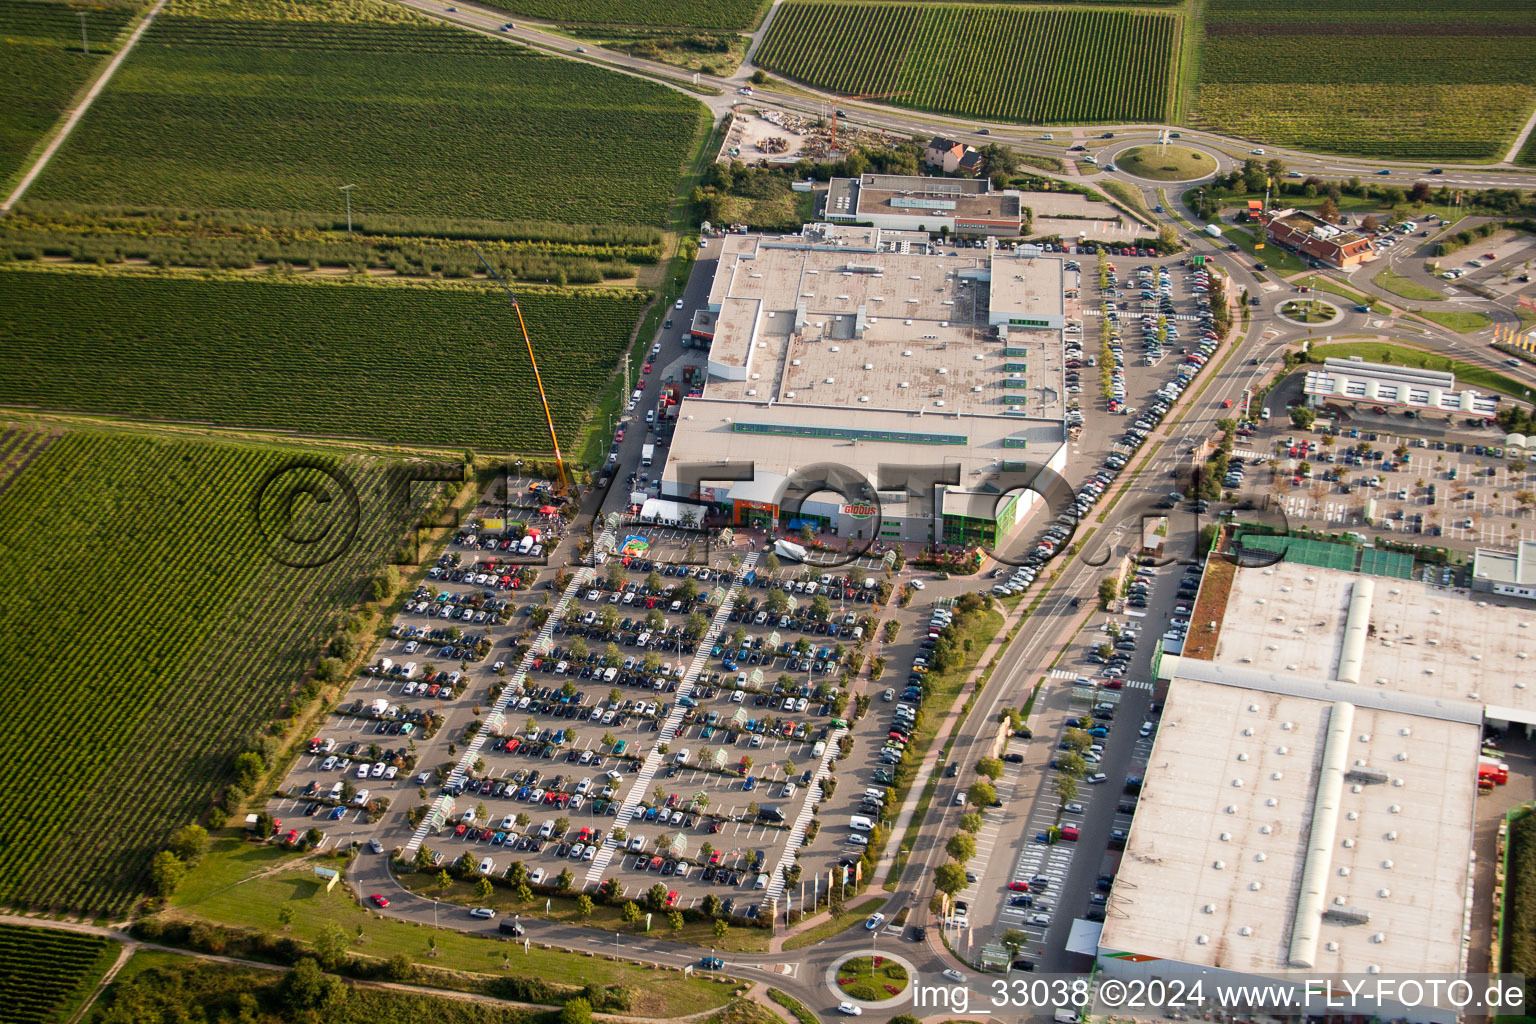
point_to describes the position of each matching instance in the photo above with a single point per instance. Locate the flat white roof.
(1212, 874)
(1445, 644)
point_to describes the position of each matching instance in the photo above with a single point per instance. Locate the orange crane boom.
(548, 419)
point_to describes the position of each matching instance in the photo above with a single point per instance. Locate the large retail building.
(936, 376)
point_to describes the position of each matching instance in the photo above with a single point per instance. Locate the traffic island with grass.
(1165, 163)
(872, 978)
(1309, 311)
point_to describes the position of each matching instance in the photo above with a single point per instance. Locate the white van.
(336, 790)
(487, 866)
(875, 794)
(547, 829)
(682, 756)
(761, 883)
(861, 824)
(819, 749)
(361, 799)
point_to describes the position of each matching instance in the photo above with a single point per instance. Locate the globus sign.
(855, 510)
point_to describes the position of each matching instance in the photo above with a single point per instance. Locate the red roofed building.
(1303, 233)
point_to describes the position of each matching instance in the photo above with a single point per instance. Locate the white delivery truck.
(647, 454)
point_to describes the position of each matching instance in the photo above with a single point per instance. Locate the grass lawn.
(1460, 321)
(827, 929)
(872, 978)
(1390, 280)
(1328, 284)
(1165, 163)
(1127, 194)
(215, 890)
(144, 960)
(563, 909)
(1278, 260)
(1466, 373)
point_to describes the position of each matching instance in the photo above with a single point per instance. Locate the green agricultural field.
(439, 366)
(1038, 65)
(737, 14)
(42, 66)
(143, 593)
(426, 121)
(1440, 79)
(45, 973)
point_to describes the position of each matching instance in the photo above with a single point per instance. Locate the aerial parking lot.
(711, 752)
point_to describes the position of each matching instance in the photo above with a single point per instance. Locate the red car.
(1227, 404)
(379, 901)
(1114, 684)
(672, 898)
(620, 435)
(1019, 886)
(646, 368)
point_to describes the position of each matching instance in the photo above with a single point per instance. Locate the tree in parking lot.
(686, 590)
(1302, 418)
(778, 602)
(483, 889)
(738, 636)
(1108, 591)
(981, 793)
(821, 608)
(1077, 739)
(523, 820)
(990, 767)
(696, 626)
(611, 657)
(1073, 764)
(613, 576)
(564, 880)
(1066, 789)
(562, 825)
(970, 821)
(585, 906)
(656, 896)
(961, 846)
(517, 873)
(771, 562)
(479, 812)
(711, 904)
(675, 919)
(654, 620)
(659, 794)
(608, 618)
(653, 582)
(949, 878)
(609, 739)
(1525, 499)
(651, 661)
(524, 894)
(444, 880)
(1015, 940)
(753, 810)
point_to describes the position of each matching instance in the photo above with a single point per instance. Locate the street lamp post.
(85, 44)
(347, 191)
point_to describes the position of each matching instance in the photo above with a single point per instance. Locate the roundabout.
(874, 981)
(1309, 312)
(1154, 162)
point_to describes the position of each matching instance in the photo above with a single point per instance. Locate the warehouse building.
(961, 206)
(1355, 381)
(1309, 804)
(937, 379)
(1304, 233)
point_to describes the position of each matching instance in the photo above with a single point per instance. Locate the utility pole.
(85, 44)
(346, 190)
